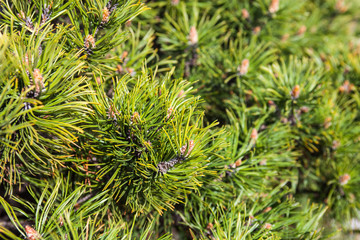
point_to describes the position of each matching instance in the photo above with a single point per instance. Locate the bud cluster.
(244, 67)
(188, 148)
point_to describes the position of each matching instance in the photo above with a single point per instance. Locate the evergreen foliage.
(172, 119)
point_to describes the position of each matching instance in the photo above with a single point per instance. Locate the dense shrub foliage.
(174, 119)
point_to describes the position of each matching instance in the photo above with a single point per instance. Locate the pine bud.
(335, 144)
(232, 165)
(148, 143)
(346, 87)
(112, 114)
(21, 15)
(244, 67)
(263, 162)
(327, 122)
(89, 40)
(238, 163)
(175, 2)
(61, 221)
(131, 71)
(256, 30)
(31, 233)
(274, 6)
(271, 103)
(193, 36)
(301, 30)
(344, 179)
(254, 134)
(38, 81)
(284, 120)
(295, 92)
(340, 6)
(105, 15)
(169, 112)
(245, 14)
(304, 109)
(124, 55)
(181, 93)
(189, 149)
(285, 37)
(119, 68)
(128, 23)
(267, 226)
(268, 209)
(26, 59)
(209, 226)
(135, 118)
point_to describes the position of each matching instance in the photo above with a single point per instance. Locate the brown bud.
(175, 2)
(238, 163)
(304, 109)
(38, 81)
(61, 221)
(256, 30)
(26, 59)
(209, 226)
(244, 67)
(335, 144)
(21, 15)
(344, 179)
(89, 40)
(135, 118)
(263, 162)
(181, 93)
(295, 92)
(346, 87)
(271, 103)
(342, 89)
(112, 114)
(284, 120)
(193, 36)
(340, 6)
(327, 122)
(267, 226)
(169, 112)
(232, 165)
(254, 134)
(267, 209)
(245, 14)
(124, 55)
(264, 195)
(274, 6)
(31, 233)
(131, 71)
(128, 23)
(189, 149)
(285, 37)
(105, 15)
(301, 30)
(119, 68)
